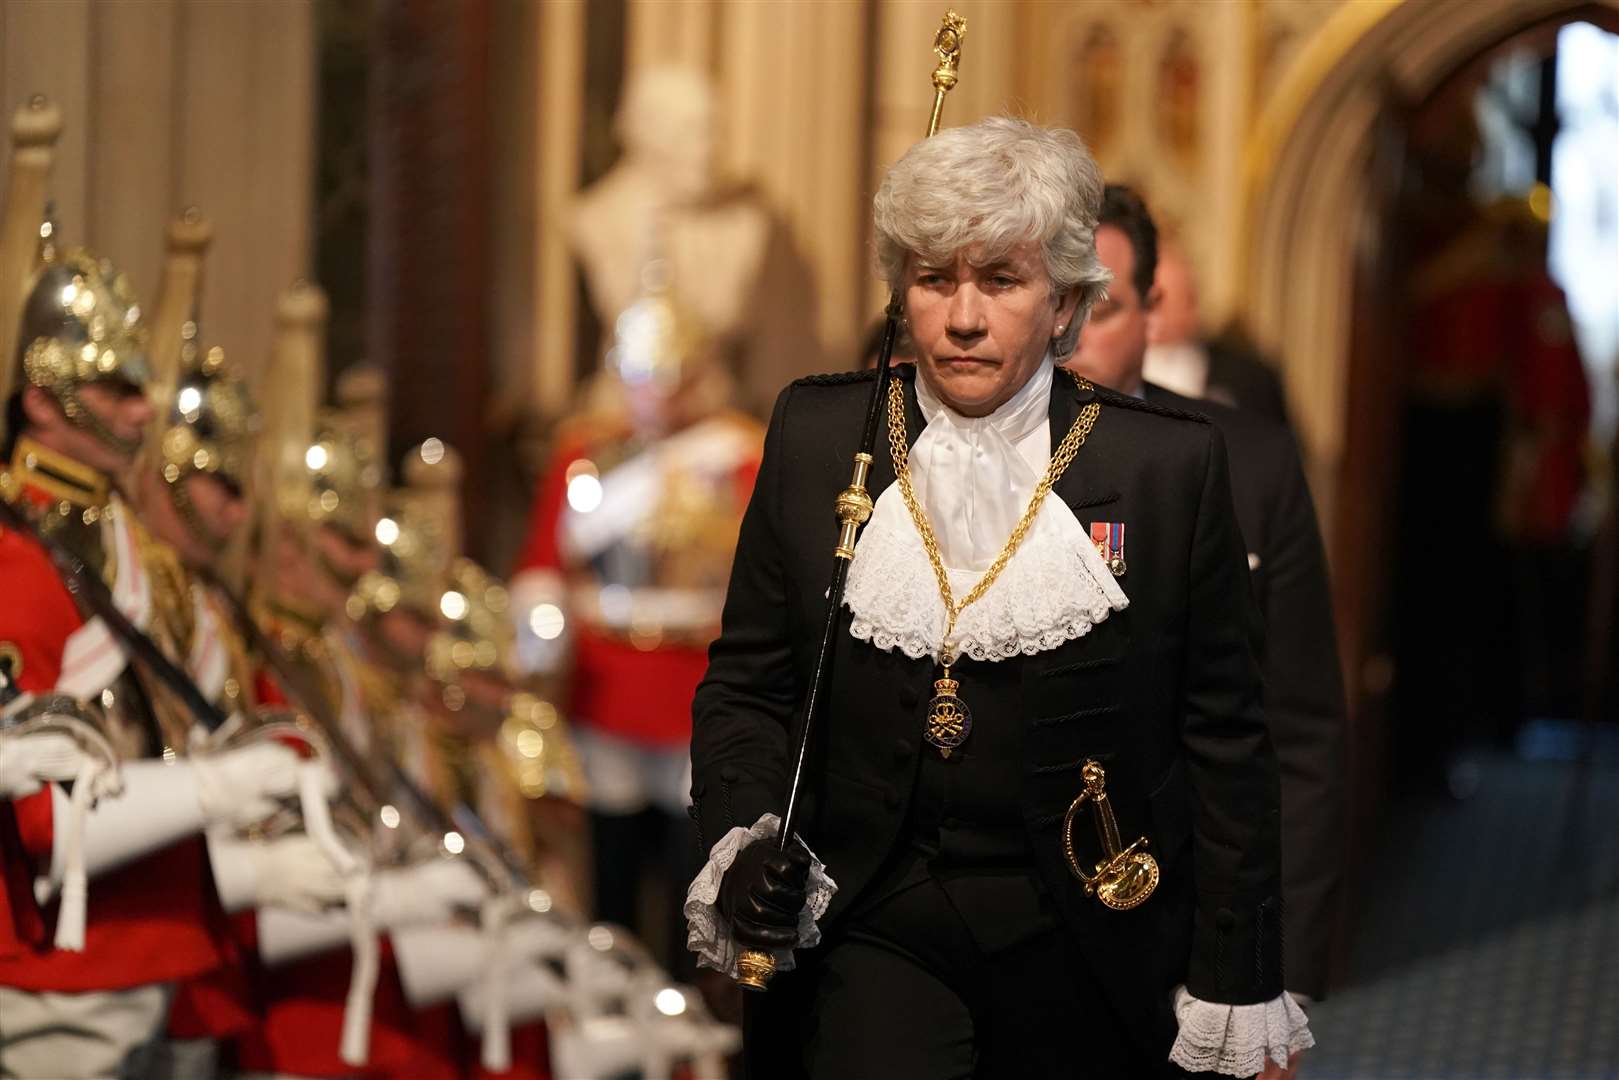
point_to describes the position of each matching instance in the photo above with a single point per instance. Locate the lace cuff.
(708, 933)
(1236, 1039)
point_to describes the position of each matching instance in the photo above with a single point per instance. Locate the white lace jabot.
(973, 478)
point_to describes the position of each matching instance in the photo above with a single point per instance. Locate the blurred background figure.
(1497, 429)
(1183, 358)
(1304, 699)
(665, 208)
(620, 583)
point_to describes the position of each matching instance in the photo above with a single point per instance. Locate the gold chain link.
(1067, 450)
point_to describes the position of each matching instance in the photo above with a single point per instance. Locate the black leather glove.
(763, 892)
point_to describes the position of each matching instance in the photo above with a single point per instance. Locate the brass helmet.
(211, 429)
(476, 632)
(341, 483)
(81, 325)
(419, 536)
(655, 339)
(212, 422)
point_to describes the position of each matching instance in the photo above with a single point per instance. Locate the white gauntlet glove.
(29, 762)
(290, 872)
(242, 787)
(431, 892)
(440, 960)
(597, 1047)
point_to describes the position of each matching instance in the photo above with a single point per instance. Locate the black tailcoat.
(1165, 693)
(1240, 377)
(1304, 692)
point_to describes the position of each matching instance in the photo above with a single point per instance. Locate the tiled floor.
(1493, 948)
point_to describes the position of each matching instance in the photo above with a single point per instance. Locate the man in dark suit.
(1226, 368)
(959, 941)
(1304, 699)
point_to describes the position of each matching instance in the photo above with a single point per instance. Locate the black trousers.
(935, 981)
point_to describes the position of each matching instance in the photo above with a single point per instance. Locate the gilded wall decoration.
(1098, 64)
(1178, 97)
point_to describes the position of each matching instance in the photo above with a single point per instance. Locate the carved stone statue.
(726, 259)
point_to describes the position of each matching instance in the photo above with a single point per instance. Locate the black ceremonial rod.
(754, 966)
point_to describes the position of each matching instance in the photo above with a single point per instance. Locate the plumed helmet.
(476, 632)
(419, 535)
(655, 339)
(341, 479)
(81, 324)
(213, 422)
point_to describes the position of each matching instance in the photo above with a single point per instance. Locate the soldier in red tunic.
(618, 590)
(91, 1004)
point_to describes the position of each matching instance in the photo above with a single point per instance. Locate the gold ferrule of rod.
(754, 967)
(854, 507)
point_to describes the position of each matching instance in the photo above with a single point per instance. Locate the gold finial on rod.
(947, 46)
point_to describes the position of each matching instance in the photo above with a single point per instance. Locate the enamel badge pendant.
(1108, 536)
(949, 720)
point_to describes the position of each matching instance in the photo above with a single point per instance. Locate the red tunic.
(224, 1003)
(157, 919)
(302, 1025)
(640, 694)
(21, 926)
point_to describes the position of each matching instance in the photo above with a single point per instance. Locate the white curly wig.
(990, 186)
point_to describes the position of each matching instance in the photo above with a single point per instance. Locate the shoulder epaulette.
(900, 370)
(1125, 401)
(835, 378)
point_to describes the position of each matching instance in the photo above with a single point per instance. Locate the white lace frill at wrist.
(1235, 1040)
(1054, 589)
(708, 933)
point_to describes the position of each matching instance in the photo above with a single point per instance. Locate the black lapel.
(882, 466)
(1086, 485)
(1089, 486)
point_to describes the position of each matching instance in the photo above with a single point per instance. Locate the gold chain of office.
(949, 721)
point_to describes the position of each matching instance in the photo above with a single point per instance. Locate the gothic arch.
(1309, 202)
